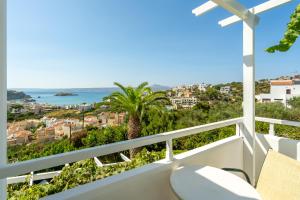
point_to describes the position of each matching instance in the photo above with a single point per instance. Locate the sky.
(93, 43)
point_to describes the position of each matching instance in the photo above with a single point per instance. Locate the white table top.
(205, 182)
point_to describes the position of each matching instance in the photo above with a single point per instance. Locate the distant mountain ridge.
(16, 95)
(154, 87)
(157, 87)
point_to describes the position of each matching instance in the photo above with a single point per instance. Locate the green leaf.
(291, 34)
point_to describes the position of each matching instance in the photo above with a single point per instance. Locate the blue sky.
(92, 43)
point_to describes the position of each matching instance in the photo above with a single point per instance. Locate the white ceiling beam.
(235, 8)
(204, 8)
(255, 10)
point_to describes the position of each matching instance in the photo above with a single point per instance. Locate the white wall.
(296, 90)
(279, 92)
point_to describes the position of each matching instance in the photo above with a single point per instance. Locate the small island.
(63, 94)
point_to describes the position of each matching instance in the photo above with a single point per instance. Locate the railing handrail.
(278, 121)
(23, 167)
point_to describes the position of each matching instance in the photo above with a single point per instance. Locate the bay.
(83, 95)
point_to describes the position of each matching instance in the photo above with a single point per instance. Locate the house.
(91, 121)
(184, 102)
(225, 89)
(111, 118)
(202, 87)
(281, 91)
(19, 137)
(85, 107)
(45, 135)
(49, 121)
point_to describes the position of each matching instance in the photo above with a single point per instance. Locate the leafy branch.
(291, 34)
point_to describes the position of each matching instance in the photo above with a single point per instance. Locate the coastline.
(47, 96)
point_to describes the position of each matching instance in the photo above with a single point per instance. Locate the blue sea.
(83, 95)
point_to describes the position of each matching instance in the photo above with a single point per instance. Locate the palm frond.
(124, 89)
(142, 86)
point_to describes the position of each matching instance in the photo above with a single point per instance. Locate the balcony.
(246, 150)
(152, 181)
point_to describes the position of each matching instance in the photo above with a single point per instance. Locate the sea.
(83, 95)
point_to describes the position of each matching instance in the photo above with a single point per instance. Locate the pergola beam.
(204, 8)
(255, 10)
(232, 6)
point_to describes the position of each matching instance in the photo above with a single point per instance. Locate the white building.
(225, 89)
(185, 102)
(85, 107)
(202, 87)
(281, 91)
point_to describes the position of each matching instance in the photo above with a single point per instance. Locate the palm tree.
(135, 102)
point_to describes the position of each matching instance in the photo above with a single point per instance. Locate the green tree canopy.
(295, 102)
(291, 34)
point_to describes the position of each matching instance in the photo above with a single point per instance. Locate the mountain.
(156, 87)
(16, 95)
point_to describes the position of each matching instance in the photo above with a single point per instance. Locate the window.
(288, 91)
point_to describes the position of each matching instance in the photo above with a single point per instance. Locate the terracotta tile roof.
(282, 82)
(23, 133)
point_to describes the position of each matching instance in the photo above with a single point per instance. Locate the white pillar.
(3, 94)
(249, 86)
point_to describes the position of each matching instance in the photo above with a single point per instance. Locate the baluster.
(169, 150)
(271, 129)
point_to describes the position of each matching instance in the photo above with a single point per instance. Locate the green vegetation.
(295, 102)
(61, 114)
(278, 111)
(32, 151)
(79, 173)
(19, 117)
(291, 34)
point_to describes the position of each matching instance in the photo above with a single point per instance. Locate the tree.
(295, 102)
(134, 101)
(291, 34)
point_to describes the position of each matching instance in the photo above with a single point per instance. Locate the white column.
(3, 98)
(249, 86)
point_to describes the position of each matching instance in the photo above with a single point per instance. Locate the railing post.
(3, 96)
(169, 150)
(31, 178)
(271, 129)
(238, 127)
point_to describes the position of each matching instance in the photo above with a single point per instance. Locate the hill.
(16, 95)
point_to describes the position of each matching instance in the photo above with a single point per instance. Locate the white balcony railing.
(16, 169)
(25, 167)
(272, 123)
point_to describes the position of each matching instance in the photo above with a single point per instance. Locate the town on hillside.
(31, 122)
